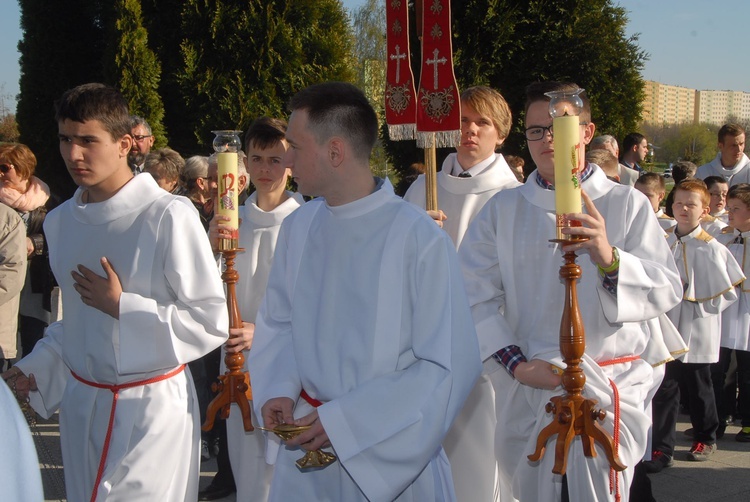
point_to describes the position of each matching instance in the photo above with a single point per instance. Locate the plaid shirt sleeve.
(509, 357)
(609, 281)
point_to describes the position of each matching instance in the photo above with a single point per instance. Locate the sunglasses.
(4, 168)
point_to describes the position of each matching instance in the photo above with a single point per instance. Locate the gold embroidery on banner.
(436, 32)
(398, 97)
(436, 7)
(438, 105)
(396, 4)
(396, 28)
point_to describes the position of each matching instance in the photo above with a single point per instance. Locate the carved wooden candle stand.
(574, 415)
(233, 385)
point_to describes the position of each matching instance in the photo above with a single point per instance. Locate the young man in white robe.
(141, 298)
(475, 172)
(731, 162)
(511, 270)
(365, 333)
(710, 273)
(468, 179)
(260, 221)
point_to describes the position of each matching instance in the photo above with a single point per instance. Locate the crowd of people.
(420, 347)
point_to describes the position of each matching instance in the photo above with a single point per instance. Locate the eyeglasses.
(536, 133)
(141, 137)
(4, 168)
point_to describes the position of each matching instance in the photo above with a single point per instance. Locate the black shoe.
(720, 431)
(659, 461)
(214, 492)
(728, 421)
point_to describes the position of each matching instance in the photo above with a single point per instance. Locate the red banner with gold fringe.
(400, 96)
(438, 101)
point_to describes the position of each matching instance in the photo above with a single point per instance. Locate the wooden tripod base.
(233, 385)
(575, 415)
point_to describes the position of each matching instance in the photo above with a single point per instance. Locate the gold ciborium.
(312, 459)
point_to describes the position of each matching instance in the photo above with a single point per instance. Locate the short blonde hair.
(490, 103)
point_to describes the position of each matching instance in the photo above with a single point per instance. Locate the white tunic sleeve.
(189, 318)
(45, 362)
(648, 282)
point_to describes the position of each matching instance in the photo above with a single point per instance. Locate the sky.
(700, 44)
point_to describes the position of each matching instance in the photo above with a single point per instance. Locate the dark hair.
(730, 129)
(95, 102)
(713, 180)
(536, 92)
(631, 140)
(683, 169)
(264, 133)
(339, 109)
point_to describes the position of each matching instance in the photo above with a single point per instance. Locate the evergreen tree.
(135, 68)
(243, 59)
(62, 46)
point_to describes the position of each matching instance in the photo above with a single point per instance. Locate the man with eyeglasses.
(511, 271)
(143, 140)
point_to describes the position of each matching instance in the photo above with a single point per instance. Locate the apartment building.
(672, 104)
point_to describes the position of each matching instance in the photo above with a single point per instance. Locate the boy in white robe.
(735, 320)
(141, 299)
(718, 189)
(653, 187)
(468, 179)
(365, 333)
(511, 272)
(710, 274)
(260, 221)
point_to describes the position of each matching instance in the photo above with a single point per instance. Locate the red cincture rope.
(614, 479)
(115, 389)
(310, 400)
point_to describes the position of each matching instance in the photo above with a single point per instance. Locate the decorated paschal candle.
(227, 144)
(565, 107)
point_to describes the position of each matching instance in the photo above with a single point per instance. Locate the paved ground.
(725, 477)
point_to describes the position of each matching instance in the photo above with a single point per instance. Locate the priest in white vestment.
(365, 316)
(141, 298)
(466, 182)
(511, 271)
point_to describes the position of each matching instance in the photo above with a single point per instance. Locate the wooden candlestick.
(233, 385)
(574, 414)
